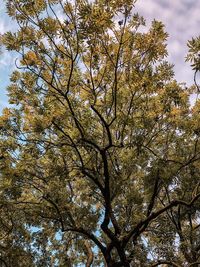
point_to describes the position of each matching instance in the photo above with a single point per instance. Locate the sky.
(181, 18)
(6, 59)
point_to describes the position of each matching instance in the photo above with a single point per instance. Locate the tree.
(100, 152)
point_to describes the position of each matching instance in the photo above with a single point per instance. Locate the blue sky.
(6, 59)
(181, 18)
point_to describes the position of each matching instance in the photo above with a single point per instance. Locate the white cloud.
(6, 60)
(2, 27)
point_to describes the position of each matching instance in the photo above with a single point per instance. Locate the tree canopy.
(99, 153)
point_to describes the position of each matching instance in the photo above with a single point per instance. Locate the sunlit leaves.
(194, 53)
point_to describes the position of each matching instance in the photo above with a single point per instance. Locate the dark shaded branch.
(4, 262)
(89, 235)
(105, 125)
(141, 226)
(154, 195)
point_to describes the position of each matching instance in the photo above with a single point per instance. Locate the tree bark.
(89, 254)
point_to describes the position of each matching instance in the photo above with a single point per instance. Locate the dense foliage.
(100, 153)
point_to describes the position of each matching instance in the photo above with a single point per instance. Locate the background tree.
(101, 149)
